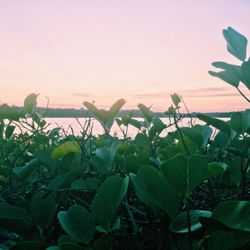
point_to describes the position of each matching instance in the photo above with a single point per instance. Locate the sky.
(71, 51)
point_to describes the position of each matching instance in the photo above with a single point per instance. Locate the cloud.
(194, 93)
(81, 94)
(153, 95)
(209, 92)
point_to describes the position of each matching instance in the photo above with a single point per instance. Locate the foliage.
(188, 189)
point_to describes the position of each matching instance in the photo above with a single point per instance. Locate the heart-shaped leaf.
(78, 223)
(66, 148)
(107, 201)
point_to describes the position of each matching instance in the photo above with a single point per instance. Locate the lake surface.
(70, 125)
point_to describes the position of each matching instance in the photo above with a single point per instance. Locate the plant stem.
(181, 135)
(243, 95)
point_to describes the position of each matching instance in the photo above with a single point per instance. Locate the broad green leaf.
(185, 173)
(30, 103)
(231, 73)
(180, 225)
(94, 110)
(147, 113)
(157, 128)
(216, 168)
(65, 180)
(107, 154)
(23, 173)
(131, 163)
(9, 131)
(217, 123)
(234, 214)
(245, 73)
(65, 148)
(86, 184)
(194, 133)
(226, 76)
(78, 223)
(228, 67)
(106, 118)
(142, 140)
(240, 121)
(236, 43)
(143, 157)
(135, 123)
(176, 99)
(10, 113)
(13, 218)
(153, 189)
(43, 208)
(115, 108)
(107, 201)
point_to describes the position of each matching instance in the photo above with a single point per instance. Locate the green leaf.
(194, 133)
(147, 114)
(108, 200)
(226, 76)
(10, 113)
(43, 208)
(234, 69)
(217, 123)
(180, 225)
(157, 128)
(231, 73)
(131, 163)
(135, 123)
(88, 184)
(65, 180)
(9, 131)
(113, 111)
(185, 173)
(216, 168)
(240, 121)
(107, 154)
(142, 140)
(13, 218)
(23, 173)
(65, 148)
(30, 103)
(245, 73)
(236, 43)
(234, 214)
(106, 118)
(78, 223)
(152, 188)
(176, 100)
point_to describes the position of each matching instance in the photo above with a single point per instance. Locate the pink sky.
(102, 50)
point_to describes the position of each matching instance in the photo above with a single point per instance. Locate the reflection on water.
(71, 124)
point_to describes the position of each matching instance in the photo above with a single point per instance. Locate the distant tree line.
(81, 113)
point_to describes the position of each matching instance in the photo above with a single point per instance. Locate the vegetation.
(187, 190)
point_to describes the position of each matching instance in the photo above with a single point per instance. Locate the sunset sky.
(82, 50)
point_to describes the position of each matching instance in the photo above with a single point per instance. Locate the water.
(71, 124)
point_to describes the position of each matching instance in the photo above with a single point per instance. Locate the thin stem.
(190, 116)
(181, 135)
(243, 94)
